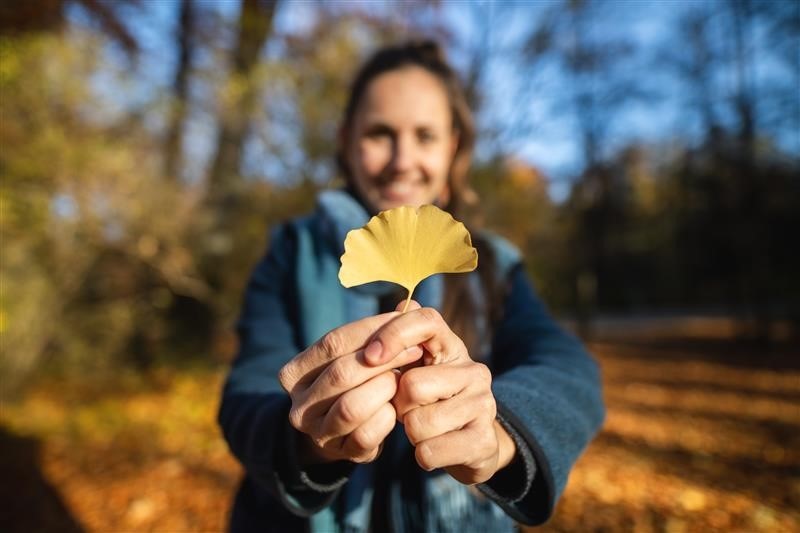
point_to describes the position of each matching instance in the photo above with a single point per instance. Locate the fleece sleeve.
(549, 397)
(254, 410)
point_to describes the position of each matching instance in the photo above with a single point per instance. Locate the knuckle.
(491, 408)
(337, 374)
(488, 406)
(296, 418)
(391, 414)
(366, 457)
(411, 384)
(430, 314)
(331, 344)
(362, 440)
(485, 447)
(348, 410)
(319, 441)
(462, 349)
(482, 374)
(286, 377)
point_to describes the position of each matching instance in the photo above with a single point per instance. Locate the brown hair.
(459, 307)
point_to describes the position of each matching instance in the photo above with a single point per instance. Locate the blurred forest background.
(644, 156)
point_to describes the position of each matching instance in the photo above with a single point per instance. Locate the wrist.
(506, 447)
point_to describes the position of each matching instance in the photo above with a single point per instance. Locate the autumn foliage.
(147, 149)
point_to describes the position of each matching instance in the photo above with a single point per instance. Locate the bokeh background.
(645, 156)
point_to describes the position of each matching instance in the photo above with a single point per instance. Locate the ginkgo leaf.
(404, 246)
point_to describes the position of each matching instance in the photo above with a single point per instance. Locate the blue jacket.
(546, 386)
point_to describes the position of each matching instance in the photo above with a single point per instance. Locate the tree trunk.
(174, 137)
(255, 24)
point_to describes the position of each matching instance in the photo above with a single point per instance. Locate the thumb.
(412, 305)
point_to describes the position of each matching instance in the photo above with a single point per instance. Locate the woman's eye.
(378, 135)
(426, 137)
(379, 132)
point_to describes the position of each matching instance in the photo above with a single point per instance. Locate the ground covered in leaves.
(700, 436)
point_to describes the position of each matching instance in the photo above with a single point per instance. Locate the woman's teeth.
(399, 188)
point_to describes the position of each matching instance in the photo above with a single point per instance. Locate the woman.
(338, 424)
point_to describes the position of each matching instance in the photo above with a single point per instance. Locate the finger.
(356, 406)
(470, 446)
(412, 306)
(343, 340)
(373, 351)
(427, 385)
(423, 326)
(429, 421)
(363, 444)
(342, 375)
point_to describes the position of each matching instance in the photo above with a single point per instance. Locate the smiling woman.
(401, 141)
(464, 413)
(407, 134)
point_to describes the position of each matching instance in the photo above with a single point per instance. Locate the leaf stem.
(408, 300)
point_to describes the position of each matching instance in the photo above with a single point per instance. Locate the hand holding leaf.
(404, 246)
(450, 420)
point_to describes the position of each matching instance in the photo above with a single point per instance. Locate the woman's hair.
(429, 56)
(460, 308)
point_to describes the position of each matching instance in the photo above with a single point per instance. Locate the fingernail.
(415, 351)
(373, 352)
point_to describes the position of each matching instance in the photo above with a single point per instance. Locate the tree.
(729, 175)
(255, 24)
(43, 16)
(180, 97)
(596, 81)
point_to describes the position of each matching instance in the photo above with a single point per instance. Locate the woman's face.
(401, 141)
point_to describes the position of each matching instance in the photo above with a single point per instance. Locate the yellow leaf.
(404, 246)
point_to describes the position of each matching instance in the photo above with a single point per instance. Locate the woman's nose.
(404, 155)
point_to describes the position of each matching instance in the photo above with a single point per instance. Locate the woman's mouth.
(400, 191)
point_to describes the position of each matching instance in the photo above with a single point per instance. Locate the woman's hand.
(447, 406)
(342, 404)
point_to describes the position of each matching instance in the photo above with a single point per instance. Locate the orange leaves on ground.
(696, 439)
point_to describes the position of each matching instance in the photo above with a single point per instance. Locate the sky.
(550, 145)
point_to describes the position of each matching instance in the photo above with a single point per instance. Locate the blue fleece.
(546, 385)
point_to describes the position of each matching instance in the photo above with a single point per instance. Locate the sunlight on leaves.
(404, 246)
